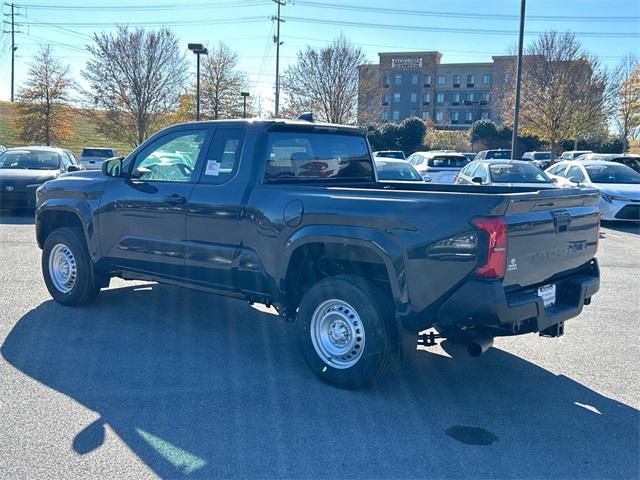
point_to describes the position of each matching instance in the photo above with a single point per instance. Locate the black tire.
(86, 285)
(374, 309)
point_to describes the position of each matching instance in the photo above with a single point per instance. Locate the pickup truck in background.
(292, 214)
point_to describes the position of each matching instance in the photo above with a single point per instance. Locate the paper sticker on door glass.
(213, 168)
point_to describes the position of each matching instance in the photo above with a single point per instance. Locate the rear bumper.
(481, 303)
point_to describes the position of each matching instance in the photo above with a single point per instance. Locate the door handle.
(175, 199)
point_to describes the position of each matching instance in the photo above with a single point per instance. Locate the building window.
(484, 115)
(427, 81)
(414, 97)
(469, 117)
(396, 115)
(440, 98)
(456, 81)
(455, 116)
(486, 97)
(425, 115)
(471, 80)
(398, 79)
(396, 97)
(414, 79)
(470, 97)
(385, 99)
(486, 79)
(426, 99)
(442, 79)
(456, 99)
(438, 116)
(505, 78)
(384, 116)
(385, 81)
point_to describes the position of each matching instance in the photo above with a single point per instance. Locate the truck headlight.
(610, 198)
(34, 185)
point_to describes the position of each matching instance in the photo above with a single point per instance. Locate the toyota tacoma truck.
(291, 214)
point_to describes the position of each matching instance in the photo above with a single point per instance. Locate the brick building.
(453, 95)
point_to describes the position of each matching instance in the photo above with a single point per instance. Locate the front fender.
(79, 208)
(383, 245)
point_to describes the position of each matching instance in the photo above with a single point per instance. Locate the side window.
(481, 172)
(557, 169)
(170, 158)
(575, 172)
(223, 156)
(66, 160)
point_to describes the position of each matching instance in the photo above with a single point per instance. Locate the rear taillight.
(494, 233)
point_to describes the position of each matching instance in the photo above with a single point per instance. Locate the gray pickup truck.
(292, 214)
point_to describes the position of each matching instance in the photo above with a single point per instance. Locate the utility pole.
(13, 43)
(516, 107)
(277, 41)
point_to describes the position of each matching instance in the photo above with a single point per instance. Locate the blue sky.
(463, 30)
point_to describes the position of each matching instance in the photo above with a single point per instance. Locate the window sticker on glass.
(213, 168)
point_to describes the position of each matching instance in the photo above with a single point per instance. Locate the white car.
(504, 173)
(573, 154)
(618, 184)
(92, 158)
(438, 167)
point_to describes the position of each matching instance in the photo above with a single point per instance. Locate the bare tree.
(136, 77)
(43, 113)
(564, 94)
(325, 81)
(625, 86)
(222, 84)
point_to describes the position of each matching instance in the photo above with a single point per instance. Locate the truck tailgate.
(554, 232)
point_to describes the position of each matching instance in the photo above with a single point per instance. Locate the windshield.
(517, 173)
(499, 154)
(30, 159)
(542, 156)
(448, 161)
(391, 154)
(98, 152)
(396, 171)
(612, 174)
(305, 156)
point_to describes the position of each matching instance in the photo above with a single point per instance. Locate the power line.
(156, 23)
(386, 26)
(486, 16)
(156, 7)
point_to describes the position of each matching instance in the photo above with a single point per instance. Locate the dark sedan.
(23, 170)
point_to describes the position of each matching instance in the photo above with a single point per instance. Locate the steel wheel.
(62, 268)
(337, 333)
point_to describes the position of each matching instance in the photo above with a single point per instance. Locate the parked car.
(515, 173)
(394, 169)
(92, 158)
(499, 153)
(438, 167)
(541, 160)
(619, 185)
(628, 159)
(24, 169)
(399, 154)
(2, 148)
(350, 258)
(593, 156)
(573, 154)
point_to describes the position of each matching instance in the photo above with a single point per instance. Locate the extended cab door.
(215, 212)
(142, 216)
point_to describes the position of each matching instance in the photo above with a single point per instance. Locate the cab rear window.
(309, 156)
(448, 161)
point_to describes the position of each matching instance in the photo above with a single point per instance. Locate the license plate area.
(548, 295)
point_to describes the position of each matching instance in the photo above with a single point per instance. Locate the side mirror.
(575, 180)
(73, 168)
(555, 179)
(112, 167)
(476, 179)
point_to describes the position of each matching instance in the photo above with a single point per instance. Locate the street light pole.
(244, 103)
(198, 49)
(516, 107)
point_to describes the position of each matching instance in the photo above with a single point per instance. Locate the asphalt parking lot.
(159, 381)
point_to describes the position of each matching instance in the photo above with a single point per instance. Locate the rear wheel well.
(313, 262)
(52, 220)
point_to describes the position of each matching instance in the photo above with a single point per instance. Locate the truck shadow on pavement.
(199, 386)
